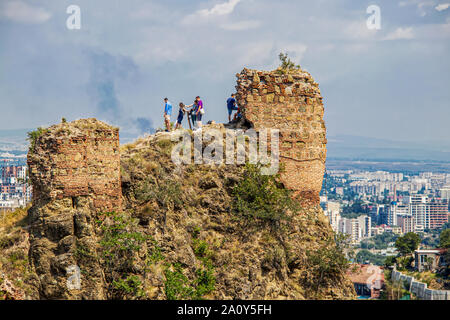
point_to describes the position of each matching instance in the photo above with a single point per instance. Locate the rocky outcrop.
(75, 172)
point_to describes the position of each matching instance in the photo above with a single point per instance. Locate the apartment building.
(333, 212)
(365, 223)
(406, 222)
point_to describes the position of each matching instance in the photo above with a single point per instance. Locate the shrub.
(130, 286)
(120, 242)
(286, 63)
(205, 282)
(165, 145)
(168, 194)
(156, 254)
(33, 136)
(200, 247)
(444, 239)
(404, 263)
(326, 264)
(177, 285)
(262, 197)
(390, 261)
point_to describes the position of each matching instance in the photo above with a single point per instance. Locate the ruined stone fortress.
(292, 103)
(80, 162)
(75, 171)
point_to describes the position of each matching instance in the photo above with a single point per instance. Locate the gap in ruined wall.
(74, 202)
(242, 123)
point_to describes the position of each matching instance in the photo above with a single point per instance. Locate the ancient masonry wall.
(78, 160)
(75, 172)
(293, 104)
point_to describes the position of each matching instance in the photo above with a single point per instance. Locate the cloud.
(400, 33)
(356, 30)
(442, 7)
(161, 47)
(421, 5)
(220, 9)
(19, 11)
(254, 54)
(241, 25)
(144, 125)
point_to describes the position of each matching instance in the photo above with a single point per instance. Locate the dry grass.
(15, 218)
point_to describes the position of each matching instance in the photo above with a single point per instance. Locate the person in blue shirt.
(167, 113)
(231, 105)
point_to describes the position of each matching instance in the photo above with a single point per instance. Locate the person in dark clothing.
(231, 105)
(181, 113)
(193, 112)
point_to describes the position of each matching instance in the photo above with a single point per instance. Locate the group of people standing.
(195, 112)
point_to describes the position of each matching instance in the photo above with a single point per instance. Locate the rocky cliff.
(111, 222)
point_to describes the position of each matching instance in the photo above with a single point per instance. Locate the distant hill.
(13, 141)
(364, 148)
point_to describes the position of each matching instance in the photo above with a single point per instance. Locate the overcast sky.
(128, 55)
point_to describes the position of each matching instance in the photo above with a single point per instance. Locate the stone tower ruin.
(75, 172)
(76, 161)
(291, 102)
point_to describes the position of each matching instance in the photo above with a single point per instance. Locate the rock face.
(182, 206)
(292, 103)
(75, 172)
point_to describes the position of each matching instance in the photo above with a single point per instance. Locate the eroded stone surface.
(75, 172)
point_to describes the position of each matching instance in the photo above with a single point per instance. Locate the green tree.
(389, 261)
(407, 243)
(364, 256)
(444, 239)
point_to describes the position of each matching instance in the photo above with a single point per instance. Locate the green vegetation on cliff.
(33, 136)
(261, 198)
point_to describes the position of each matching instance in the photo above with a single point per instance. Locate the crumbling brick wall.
(292, 103)
(75, 173)
(77, 160)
